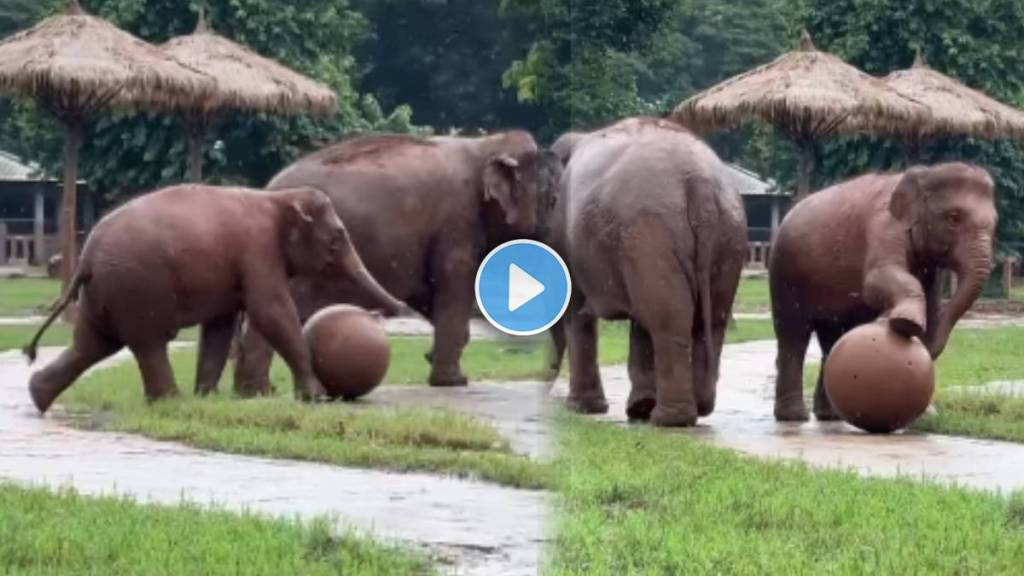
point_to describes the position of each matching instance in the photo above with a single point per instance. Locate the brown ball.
(349, 348)
(878, 380)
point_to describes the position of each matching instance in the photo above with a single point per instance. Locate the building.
(29, 207)
(765, 206)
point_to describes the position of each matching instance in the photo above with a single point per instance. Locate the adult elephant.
(651, 233)
(874, 246)
(191, 255)
(422, 212)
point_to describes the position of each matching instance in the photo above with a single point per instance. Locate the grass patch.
(640, 501)
(352, 435)
(752, 295)
(27, 296)
(63, 534)
(972, 358)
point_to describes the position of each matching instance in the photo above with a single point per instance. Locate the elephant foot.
(640, 409)
(162, 395)
(824, 412)
(676, 418)
(705, 406)
(41, 396)
(791, 413)
(907, 319)
(456, 380)
(592, 404)
(253, 387)
(311, 391)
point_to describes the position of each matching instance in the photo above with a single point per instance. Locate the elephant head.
(316, 243)
(520, 178)
(949, 211)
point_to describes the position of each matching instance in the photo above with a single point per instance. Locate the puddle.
(477, 528)
(743, 421)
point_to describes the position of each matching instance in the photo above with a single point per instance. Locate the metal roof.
(749, 183)
(12, 169)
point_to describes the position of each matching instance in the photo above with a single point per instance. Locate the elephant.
(652, 233)
(196, 254)
(423, 212)
(873, 249)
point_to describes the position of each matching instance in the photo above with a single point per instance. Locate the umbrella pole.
(69, 202)
(803, 184)
(196, 131)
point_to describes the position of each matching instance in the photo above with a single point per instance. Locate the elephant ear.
(908, 197)
(499, 184)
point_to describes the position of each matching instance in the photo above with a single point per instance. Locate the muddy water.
(474, 527)
(743, 421)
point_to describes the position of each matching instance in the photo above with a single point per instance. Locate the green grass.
(972, 358)
(27, 296)
(641, 501)
(389, 438)
(64, 534)
(752, 295)
(15, 337)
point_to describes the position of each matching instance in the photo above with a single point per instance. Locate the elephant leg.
(453, 306)
(893, 289)
(643, 391)
(157, 375)
(252, 365)
(705, 370)
(586, 394)
(672, 335)
(793, 335)
(88, 348)
(556, 353)
(828, 334)
(273, 314)
(214, 346)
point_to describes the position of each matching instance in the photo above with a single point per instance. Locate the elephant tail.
(76, 283)
(704, 214)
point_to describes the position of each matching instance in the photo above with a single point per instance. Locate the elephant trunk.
(353, 267)
(973, 264)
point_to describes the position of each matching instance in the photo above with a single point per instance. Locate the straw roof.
(246, 80)
(807, 94)
(955, 107)
(74, 63)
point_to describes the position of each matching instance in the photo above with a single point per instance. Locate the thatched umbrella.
(245, 80)
(74, 65)
(808, 95)
(956, 109)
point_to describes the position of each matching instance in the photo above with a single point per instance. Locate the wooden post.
(196, 128)
(803, 183)
(1008, 276)
(38, 220)
(3, 243)
(68, 215)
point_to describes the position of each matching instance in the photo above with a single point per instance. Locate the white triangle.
(521, 288)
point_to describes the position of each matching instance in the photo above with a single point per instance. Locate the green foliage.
(591, 63)
(974, 41)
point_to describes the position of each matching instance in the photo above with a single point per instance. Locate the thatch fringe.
(246, 80)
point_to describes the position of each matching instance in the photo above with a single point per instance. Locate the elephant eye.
(954, 217)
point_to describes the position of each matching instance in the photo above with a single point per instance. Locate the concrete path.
(474, 527)
(743, 421)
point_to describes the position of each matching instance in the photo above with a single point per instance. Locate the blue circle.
(523, 287)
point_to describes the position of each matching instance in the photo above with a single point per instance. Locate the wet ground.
(743, 421)
(475, 527)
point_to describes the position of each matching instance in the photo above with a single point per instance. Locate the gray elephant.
(422, 212)
(874, 246)
(199, 255)
(651, 233)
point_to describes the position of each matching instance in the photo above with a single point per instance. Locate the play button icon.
(522, 287)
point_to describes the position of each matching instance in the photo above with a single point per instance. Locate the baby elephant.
(874, 246)
(195, 254)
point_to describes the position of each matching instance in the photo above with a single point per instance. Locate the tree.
(445, 58)
(976, 41)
